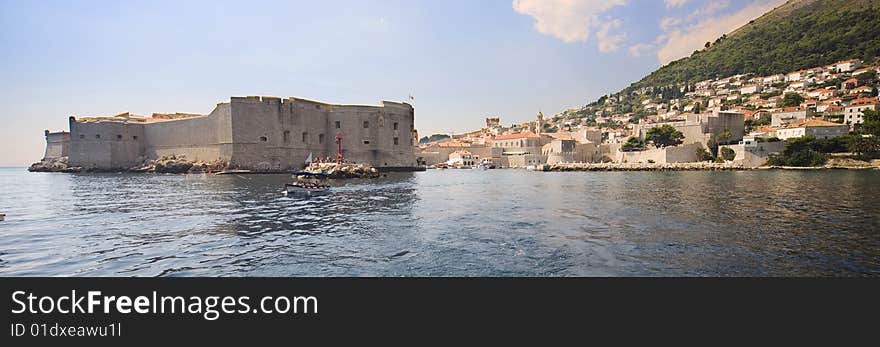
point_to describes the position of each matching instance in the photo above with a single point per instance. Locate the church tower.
(539, 124)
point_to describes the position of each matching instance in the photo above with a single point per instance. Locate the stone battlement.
(261, 133)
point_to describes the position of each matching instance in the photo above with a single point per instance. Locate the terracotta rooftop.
(865, 101)
(815, 122)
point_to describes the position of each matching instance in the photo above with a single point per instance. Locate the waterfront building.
(815, 127)
(463, 158)
(701, 128)
(256, 133)
(853, 113)
(789, 116)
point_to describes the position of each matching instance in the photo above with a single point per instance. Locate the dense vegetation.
(664, 136)
(797, 35)
(811, 151)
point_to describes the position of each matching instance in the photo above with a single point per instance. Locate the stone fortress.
(266, 134)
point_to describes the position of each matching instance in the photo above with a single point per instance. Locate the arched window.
(263, 139)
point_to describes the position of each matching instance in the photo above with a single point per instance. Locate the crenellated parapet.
(263, 133)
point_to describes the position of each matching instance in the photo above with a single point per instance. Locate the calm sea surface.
(444, 223)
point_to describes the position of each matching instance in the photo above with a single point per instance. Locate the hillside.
(796, 35)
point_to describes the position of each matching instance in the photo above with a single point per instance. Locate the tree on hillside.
(871, 122)
(664, 136)
(791, 99)
(728, 154)
(724, 136)
(633, 144)
(702, 153)
(812, 33)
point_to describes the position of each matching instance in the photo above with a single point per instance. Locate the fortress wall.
(267, 134)
(105, 144)
(207, 138)
(275, 134)
(57, 145)
(686, 153)
(262, 133)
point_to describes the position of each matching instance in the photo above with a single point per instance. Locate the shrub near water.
(804, 151)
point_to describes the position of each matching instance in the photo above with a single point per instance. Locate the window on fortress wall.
(134, 137)
(263, 139)
(321, 138)
(82, 136)
(396, 141)
(338, 124)
(97, 136)
(395, 126)
(366, 124)
(366, 142)
(286, 136)
(305, 136)
(118, 137)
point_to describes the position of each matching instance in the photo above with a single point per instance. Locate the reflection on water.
(444, 223)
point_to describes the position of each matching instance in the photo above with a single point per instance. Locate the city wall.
(57, 145)
(257, 133)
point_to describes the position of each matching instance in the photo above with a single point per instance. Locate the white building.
(750, 89)
(852, 114)
(816, 127)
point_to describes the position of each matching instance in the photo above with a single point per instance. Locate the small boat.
(2, 217)
(300, 188)
(307, 183)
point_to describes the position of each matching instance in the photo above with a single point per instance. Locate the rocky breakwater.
(707, 166)
(343, 170)
(166, 164)
(53, 165)
(179, 165)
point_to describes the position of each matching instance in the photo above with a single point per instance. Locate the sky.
(461, 60)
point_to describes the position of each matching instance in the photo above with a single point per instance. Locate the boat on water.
(307, 183)
(300, 188)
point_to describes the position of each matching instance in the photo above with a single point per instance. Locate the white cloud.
(711, 8)
(609, 42)
(681, 42)
(638, 50)
(572, 20)
(669, 22)
(674, 3)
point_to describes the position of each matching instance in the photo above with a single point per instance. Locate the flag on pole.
(411, 97)
(309, 159)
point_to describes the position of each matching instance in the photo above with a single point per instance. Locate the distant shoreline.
(703, 166)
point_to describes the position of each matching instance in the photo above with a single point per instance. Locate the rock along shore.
(707, 166)
(343, 170)
(167, 164)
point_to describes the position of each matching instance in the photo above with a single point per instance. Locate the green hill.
(797, 35)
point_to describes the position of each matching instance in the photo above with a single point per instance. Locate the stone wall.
(57, 145)
(686, 153)
(755, 155)
(280, 134)
(206, 138)
(258, 133)
(106, 145)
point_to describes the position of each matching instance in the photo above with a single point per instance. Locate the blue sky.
(461, 60)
